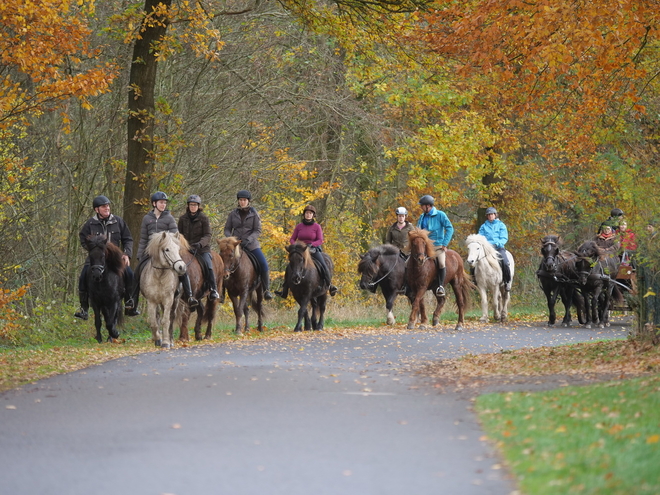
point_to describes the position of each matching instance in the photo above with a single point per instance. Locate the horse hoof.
(157, 343)
(458, 328)
(165, 346)
(410, 326)
(239, 333)
(483, 319)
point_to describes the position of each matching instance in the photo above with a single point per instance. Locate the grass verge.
(601, 439)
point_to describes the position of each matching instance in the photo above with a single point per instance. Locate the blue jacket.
(438, 224)
(495, 232)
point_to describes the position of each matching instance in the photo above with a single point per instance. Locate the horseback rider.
(440, 229)
(158, 220)
(194, 225)
(117, 232)
(397, 234)
(495, 232)
(245, 224)
(311, 233)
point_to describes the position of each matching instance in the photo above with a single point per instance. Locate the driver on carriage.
(245, 223)
(195, 227)
(440, 230)
(397, 234)
(494, 230)
(311, 233)
(614, 220)
(117, 232)
(158, 220)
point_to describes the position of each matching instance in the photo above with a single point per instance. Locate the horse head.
(475, 247)
(230, 252)
(550, 247)
(421, 246)
(368, 266)
(588, 255)
(96, 245)
(164, 250)
(300, 260)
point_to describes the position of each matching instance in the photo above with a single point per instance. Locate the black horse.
(105, 283)
(307, 285)
(557, 276)
(597, 270)
(384, 267)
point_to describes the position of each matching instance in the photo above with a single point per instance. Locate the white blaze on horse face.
(473, 253)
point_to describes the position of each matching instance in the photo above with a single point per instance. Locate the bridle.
(300, 276)
(372, 283)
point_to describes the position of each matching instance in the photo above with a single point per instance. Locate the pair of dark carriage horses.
(585, 279)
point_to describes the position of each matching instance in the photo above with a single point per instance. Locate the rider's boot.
(213, 292)
(265, 280)
(506, 276)
(440, 291)
(185, 281)
(82, 312)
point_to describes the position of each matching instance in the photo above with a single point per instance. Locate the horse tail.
(467, 287)
(209, 311)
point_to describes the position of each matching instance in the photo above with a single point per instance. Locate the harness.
(371, 284)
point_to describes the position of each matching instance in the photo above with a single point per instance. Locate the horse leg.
(483, 293)
(110, 316)
(166, 321)
(154, 322)
(184, 336)
(198, 321)
(414, 311)
(245, 303)
(440, 303)
(259, 309)
(389, 304)
(551, 298)
(505, 296)
(457, 287)
(315, 311)
(209, 314)
(302, 314)
(322, 301)
(97, 323)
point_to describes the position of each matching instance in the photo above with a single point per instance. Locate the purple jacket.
(309, 234)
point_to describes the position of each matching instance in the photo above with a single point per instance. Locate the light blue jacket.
(437, 223)
(495, 232)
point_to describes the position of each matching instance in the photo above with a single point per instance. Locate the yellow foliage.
(8, 315)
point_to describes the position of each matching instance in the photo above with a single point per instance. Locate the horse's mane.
(492, 255)
(158, 239)
(552, 239)
(591, 249)
(303, 249)
(385, 249)
(228, 244)
(113, 255)
(423, 234)
(184, 245)
(372, 255)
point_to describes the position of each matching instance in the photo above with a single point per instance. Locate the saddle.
(205, 271)
(254, 261)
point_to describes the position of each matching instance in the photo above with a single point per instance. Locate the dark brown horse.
(597, 269)
(384, 267)
(307, 285)
(242, 282)
(105, 284)
(421, 276)
(557, 276)
(205, 312)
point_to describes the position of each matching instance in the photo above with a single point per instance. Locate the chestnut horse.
(196, 274)
(421, 276)
(242, 282)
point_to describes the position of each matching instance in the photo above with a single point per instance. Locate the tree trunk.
(141, 109)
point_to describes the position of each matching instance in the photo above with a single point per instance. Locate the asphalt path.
(321, 413)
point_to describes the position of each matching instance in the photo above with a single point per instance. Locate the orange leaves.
(45, 43)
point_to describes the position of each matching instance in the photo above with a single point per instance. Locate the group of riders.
(244, 223)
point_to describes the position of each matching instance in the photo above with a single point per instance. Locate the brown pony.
(421, 276)
(242, 282)
(205, 313)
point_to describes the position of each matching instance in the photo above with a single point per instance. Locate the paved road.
(332, 414)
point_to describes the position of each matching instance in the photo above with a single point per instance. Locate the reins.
(371, 284)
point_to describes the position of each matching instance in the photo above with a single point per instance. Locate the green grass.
(602, 439)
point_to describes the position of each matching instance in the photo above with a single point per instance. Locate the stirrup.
(213, 295)
(131, 312)
(332, 290)
(268, 295)
(192, 302)
(440, 291)
(129, 304)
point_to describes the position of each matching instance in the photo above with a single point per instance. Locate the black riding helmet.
(616, 212)
(157, 196)
(100, 201)
(244, 194)
(427, 199)
(194, 198)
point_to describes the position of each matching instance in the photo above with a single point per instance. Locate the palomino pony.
(307, 285)
(159, 282)
(421, 276)
(485, 260)
(557, 275)
(597, 270)
(196, 274)
(242, 282)
(383, 267)
(105, 284)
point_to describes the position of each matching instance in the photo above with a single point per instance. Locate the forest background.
(547, 110)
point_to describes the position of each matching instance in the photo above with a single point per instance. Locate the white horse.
(158, 283)
(485, 260)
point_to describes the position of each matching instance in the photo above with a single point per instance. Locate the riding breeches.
(505, 258)
(208, 261)
(441, 256)
(261, 259)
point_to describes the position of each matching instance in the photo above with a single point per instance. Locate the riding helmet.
(100, 201)
(490, 210)
(194, 198)
(244, 194)
(310, 208)
(401, 211)
(616, 212)
(427, 199)
(157, 196)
